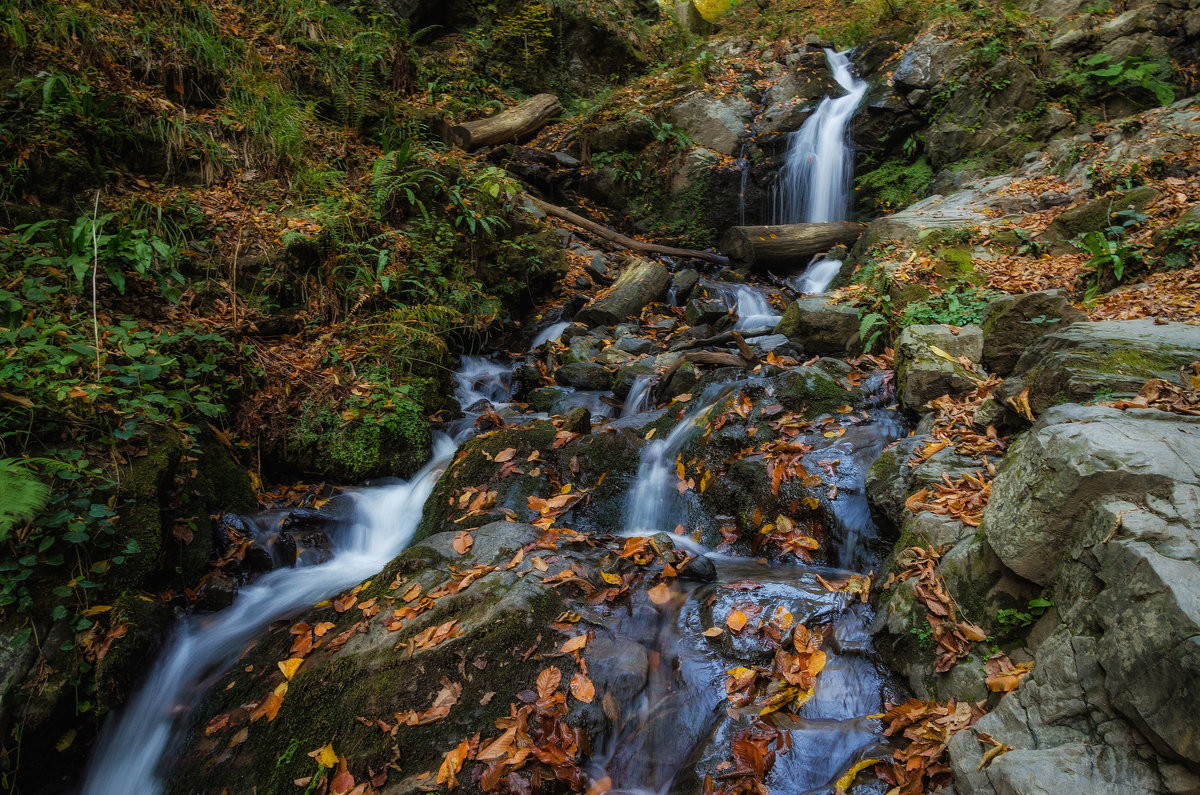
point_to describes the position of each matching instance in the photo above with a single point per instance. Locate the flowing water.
(137, 741)
(814, 183)
(638, 399)
(817, 277)
(552, 332)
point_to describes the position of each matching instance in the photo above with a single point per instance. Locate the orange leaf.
(548, 681)
(289, 667)
(735, 620)
(505, 455)
(574, 644)
(582, 688)
(660, 594)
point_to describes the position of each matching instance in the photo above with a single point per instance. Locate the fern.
(22, 495)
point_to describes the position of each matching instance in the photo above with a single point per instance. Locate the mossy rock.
(142, 497)
(325, 443)
(146, 621)
(500, 617)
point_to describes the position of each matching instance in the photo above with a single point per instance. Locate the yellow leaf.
(713, 632)
(610, 578)
(65, 741)
(363, 587)
(847, 780)
(651, 433)
(326, 756)
(582, 688)
(735, 620)
(289, 666)
(97, 610)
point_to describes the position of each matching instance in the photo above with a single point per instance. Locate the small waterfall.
(638, 399)
(814, 183)
(479, 379)
(819, 274)
(551, 332)
(135, 741)
(748, 303)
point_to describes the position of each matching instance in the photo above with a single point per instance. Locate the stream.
(679, 717)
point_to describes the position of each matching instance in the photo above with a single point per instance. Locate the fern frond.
(22, 495)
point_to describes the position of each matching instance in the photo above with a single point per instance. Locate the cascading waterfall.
(638, 399)
(552, 332)
(819, 274)
(814, 183)
(752, 308)
(384, 518)
(136, 740)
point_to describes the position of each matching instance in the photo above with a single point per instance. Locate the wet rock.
(578, 420)
(584, 375)
(705, 311)
(811, 390)
(1012, 322)
(546, 398)
(216, 592)
(820, 326)
(716, 123)
(684, 380)
(640, 282)
(613, 355)
(630, 372)
(635, 345)
(1113, 358)
(699, 568)
(682, 284)
(923, 371)
(772, 343)
(580, 349)
(928, 61)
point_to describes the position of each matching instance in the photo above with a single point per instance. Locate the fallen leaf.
(574, 644)
(289, 667)
(735, 620)
(582, 688)
(660, 594)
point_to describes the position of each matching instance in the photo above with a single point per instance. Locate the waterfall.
(814, 183)
(819, 274)
(638, 399)
(135, 741)
(552, 332)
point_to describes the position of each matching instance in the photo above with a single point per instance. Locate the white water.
(479, 378)
(135, 741)
(654, 493)
(752, 308)
(819, 274)
(814, 183)
(551, 332)
(638, 399)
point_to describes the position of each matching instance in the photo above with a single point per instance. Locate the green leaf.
(22, 494)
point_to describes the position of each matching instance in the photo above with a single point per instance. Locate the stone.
(1094, 215)
(922, 373)
(771, 343)
(821, 326)
(684, 380)
(927, 62)
(716, 123)
(584, 375)
(635, 345)
(546, 398)
(710, 310)
(578, 420)
(1012, 322)
(612, 355)
(1113, 358)
(580, 349)
(682, 284)
(628, 373)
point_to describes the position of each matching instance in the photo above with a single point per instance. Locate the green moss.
(140, 517)
(146, 621)
(1135, 362)
(894, 184)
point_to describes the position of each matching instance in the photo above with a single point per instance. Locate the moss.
(146, 621)
(395, 444)
(1135, 362)
(812, 391)
(140, 517)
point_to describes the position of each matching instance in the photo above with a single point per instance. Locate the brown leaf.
(548, 681)
(582, 688)
(574, 644)
(735, 620)
(462, 542)
(660, 594)
(505, 455)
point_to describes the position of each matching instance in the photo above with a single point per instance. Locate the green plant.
(871, 326)
(22, 494)
(1099, 75)
(1012, 618)
(924, 636)
(897, 182)
(1110, 254)
(403, 175)
(957, 307)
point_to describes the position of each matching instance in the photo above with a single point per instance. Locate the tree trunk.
(510, 125)
(618, 239)
(794, 244)
(640, 283)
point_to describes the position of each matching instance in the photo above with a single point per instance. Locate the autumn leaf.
(735, 620)
(548, 681)
(325, 756)
(582, 688)
(452, 764)
(713, 632)
(289, 666)
(505, 455)
(660, 594)
(344, 603)
(462, 542)
(574, 644)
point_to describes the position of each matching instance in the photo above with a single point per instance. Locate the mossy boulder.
(1011, 323)
(1107, 359)
(821, 326)
(928, 366)
(1094, 215)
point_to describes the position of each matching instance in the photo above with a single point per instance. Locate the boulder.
(1094, 215)
(709, 310)
(927, 363)
(584, 375)
(1012, 322)
(716, 123)
(640, 282)
(682, 284)
(821, 326)
(1111, 358)
(928, 61)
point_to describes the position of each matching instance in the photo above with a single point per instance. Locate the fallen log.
(618, 239)
(641, 282)
(791, 245)
(724, 337)
(513, 124)
(716, 358)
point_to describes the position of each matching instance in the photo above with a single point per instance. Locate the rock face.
(1103, 507)
(821, 327)
(1108, 358)
(640, 282)
(926, 366)
(716, 123)
(1012, 323)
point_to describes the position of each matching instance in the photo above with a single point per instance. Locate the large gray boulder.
(821, 327)
(1111, 358)
(716, 123)
(927, 365)
(1011, 323)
